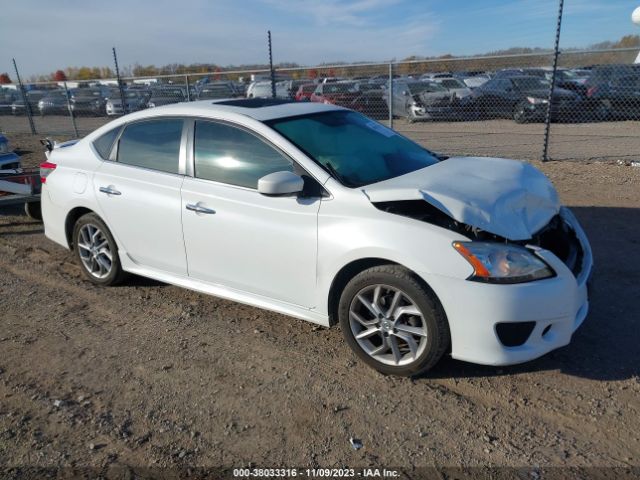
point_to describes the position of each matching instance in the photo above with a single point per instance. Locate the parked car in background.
(304, 92)
(135, 99)
(473, 81)
(525, 99)
(7, 97)
(89, 101)
(217, 90)
(293, 86)
(9, 160)
(33, 97)
(321, 213)
(262, 89)
(613, 92)
(336, 93)
(165, 95)
(55, 102)
(574, 80)
(371, 104)
(425, 100)
(455, 86)
(430, 76)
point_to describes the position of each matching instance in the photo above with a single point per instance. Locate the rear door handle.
(199, 208)
(110, 191)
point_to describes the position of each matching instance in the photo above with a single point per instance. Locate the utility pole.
(120, 87)
(273, 75)
(556, 52)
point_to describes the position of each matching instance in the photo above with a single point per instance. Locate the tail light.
(591, 91)
(45, 169)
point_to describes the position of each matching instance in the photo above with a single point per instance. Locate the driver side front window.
(231, 155)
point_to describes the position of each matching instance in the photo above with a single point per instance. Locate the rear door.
(138, 191)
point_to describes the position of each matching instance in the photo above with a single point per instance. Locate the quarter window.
(104, 143)
(233, 156)
(153, 144)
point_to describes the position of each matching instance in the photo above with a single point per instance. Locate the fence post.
(273, 75)
(73, 118)
(122, 99)
(186, 84)
(27, 107)
(390, 94)
(556, 52)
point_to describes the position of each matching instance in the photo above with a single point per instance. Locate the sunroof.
(254, 102)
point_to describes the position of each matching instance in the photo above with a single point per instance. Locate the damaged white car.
(320, 213)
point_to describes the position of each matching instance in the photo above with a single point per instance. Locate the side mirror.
(280, 183)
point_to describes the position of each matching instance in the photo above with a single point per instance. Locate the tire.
(429, 328)
(520, 113)
(33, 210)
(602, 111)
(91, 256)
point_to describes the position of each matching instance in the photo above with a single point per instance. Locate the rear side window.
(233, 156)
(153, 144)
(104, 143)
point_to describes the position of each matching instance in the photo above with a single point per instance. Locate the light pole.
(635, 18)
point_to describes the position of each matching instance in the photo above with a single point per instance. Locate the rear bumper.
(557, 306)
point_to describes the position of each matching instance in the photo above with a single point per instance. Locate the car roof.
(261, 109)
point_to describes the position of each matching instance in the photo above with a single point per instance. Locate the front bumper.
(557, 305)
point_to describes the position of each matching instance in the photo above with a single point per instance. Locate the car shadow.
(605, 347)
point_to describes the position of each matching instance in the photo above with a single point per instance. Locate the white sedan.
(320, 213)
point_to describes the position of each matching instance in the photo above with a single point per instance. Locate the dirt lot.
(160, 379)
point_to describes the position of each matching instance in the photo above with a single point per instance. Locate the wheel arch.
(350, 270)
(71, 219)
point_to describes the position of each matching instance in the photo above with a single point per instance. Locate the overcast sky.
(46, 35)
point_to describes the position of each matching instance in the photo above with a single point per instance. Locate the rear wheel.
(393, 321)
(97, 251)
(603, 111)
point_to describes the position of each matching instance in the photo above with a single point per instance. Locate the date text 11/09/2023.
(314, 473)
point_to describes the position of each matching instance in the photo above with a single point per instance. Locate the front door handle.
(199, 208)
(110, 190)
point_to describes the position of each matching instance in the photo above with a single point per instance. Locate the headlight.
(41, 103)
(502, 263)
(151, 104)
(537, 101)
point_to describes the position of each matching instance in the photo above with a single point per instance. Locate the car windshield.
(168, 92)
(417, 88)
(530, 83)
(340, 88)
(356, 150)
(452, 83)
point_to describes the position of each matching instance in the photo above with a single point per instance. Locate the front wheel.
(393, 321)
(97, 251)
(520, 113)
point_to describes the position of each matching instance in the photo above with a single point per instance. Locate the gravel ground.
(150, 379)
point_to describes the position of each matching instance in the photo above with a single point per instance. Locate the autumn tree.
(60, 76)
(4, 78)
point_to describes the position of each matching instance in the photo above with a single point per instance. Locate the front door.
(237, 237)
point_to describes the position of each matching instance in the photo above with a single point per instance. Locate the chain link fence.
(483, 106)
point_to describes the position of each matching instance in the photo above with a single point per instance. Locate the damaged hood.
(505, 197)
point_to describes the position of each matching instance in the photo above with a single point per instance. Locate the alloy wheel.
(94, 250)
(388, 325)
